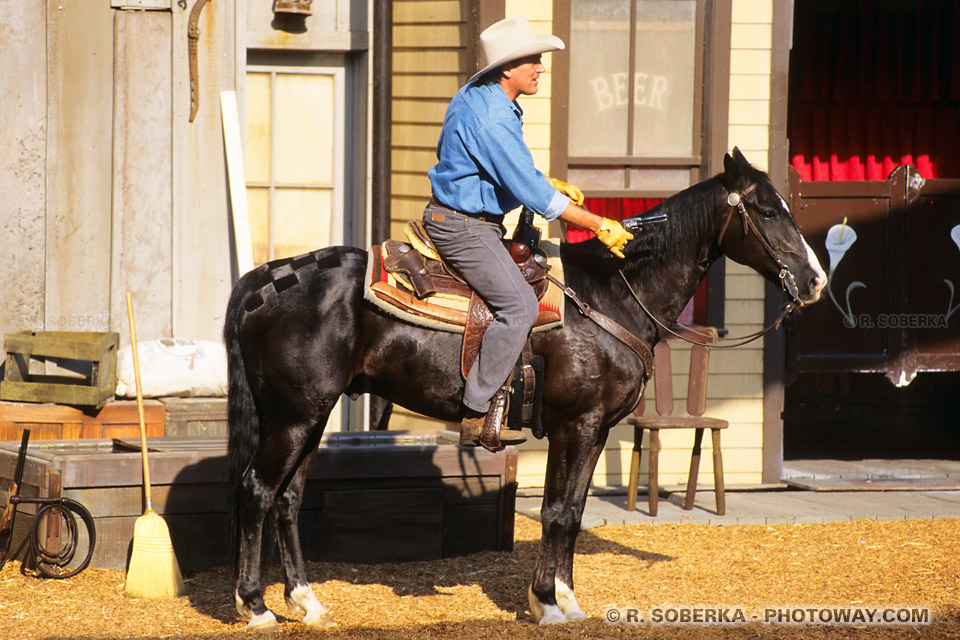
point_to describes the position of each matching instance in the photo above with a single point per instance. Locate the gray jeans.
(474, 248)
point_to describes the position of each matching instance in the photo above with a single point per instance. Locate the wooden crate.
(196, 417)
(118, 419)
(370, 497)
(92, 356)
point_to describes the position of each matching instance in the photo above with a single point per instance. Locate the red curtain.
(613, 208)
(621, 209)
(875, 84)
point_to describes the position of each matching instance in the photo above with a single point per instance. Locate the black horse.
(299, 334)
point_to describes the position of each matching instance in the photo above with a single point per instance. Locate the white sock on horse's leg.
(567, 601)
(544, 613)
(265, 622)
(302, 598)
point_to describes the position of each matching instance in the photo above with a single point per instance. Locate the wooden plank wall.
(430, 64)
(79, 165)
(109, 188)
(23, 127)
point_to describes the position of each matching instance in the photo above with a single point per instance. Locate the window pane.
(302, 221)
(664, 77)
(258, 207)
(597, 178)
(258, 128)
(599, 45)
(304, 137)
(660, 179)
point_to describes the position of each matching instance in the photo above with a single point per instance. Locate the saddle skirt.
(407, 281)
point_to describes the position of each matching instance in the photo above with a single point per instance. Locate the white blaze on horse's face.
(820, 280)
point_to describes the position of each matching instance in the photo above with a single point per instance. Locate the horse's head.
(759, 231)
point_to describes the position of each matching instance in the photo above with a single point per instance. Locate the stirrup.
(492, 436)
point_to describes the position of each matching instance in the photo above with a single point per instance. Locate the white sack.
(173, 367)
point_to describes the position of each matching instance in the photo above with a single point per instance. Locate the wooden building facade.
(111, 186)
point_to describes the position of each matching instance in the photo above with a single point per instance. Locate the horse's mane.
(689, 221)
(688, 225)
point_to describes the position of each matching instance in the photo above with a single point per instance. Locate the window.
(640, 106)
(633, 107)
(294, 159)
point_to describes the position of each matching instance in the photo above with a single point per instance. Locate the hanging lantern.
(297, 7)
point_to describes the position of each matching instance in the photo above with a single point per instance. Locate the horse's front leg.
(572, 457)
(297, 591)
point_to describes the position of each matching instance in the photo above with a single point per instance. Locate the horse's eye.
(768, 214)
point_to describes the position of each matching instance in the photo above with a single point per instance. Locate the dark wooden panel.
(894, 276)
(382, 526)
(465, 530)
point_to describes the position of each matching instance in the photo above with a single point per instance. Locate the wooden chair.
(696, 403)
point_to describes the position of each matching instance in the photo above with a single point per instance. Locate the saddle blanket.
(448, 312)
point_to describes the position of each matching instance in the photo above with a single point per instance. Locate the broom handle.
(143, 427)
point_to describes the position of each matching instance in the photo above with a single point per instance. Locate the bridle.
(787, 280)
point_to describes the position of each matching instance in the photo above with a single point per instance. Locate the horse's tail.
(243, 426)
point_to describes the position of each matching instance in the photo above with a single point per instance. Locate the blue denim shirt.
(483, 165)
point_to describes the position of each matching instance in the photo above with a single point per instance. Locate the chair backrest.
(699, 370)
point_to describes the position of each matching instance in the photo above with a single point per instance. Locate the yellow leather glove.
(612, 234)
(571, 191)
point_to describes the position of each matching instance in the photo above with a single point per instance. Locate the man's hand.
(612, 234)
(571, 191)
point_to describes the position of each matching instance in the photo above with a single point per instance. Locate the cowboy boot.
(492, 436)
(470, 427)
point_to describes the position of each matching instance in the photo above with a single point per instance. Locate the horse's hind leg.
(297, 590)
(274, 464)
(570, 464)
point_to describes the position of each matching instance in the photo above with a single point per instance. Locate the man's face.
(520, 76)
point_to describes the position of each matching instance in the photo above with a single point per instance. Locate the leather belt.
(484, 217)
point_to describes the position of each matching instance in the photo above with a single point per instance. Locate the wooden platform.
(370, 497)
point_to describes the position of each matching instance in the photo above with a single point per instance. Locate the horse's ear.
(738, 156)
(730, 168)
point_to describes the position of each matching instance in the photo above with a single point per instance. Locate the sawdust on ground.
(911, 564)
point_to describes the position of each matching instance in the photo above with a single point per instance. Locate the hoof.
(303, 600)
(264, 623)
(552, 615)
(320, 621)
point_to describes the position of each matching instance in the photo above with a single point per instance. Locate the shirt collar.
(497, 93)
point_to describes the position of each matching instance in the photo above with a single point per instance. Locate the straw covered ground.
(632, 570)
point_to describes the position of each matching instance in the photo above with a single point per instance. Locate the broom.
(153, 571)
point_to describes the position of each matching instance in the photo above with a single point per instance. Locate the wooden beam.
(237, 180)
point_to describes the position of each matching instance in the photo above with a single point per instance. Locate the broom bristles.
(153, 572)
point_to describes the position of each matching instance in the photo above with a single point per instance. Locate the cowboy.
(484, 169)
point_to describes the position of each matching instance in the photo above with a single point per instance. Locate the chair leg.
(694, 470)
(653, 484)
(634, 484)
(718, 473)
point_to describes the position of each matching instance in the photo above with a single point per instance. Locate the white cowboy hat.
(511, 39)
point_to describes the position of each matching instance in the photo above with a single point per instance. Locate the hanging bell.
(296, 7)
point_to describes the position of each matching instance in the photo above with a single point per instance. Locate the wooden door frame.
(774, 344)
